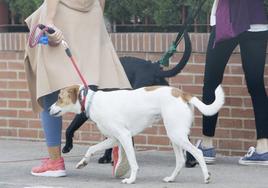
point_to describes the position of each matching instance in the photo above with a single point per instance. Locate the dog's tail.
(211, 109)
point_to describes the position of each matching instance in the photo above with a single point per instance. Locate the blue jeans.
(52, 125)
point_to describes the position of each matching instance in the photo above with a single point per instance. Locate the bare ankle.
(262, 145)
(54, 153)
(207, 141)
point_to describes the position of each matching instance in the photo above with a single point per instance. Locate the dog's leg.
(126, 142)
(179, 134)
(179, 163)
(107, 157)
(107, 143)
(75, 124)
(186, 144)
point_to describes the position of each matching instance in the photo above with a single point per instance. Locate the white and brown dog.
(121, 114)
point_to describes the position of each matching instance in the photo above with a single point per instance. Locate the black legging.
(253, 53)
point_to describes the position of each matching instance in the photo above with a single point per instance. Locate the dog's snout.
(55, 111)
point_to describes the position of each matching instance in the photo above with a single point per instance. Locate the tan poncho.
(49, 69)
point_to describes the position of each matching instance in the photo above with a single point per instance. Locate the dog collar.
(82, 98)
(89, 105)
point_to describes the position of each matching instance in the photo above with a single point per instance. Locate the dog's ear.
(74, 91)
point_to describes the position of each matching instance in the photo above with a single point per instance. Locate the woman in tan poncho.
(48, 69)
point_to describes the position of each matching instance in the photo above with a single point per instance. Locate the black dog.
(140, 73)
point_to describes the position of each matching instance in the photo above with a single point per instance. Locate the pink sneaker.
(50, 168)
(120, 164)
(115, 158)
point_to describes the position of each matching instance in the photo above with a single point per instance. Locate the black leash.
(172, 49)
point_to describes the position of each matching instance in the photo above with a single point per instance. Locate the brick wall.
(236, 127)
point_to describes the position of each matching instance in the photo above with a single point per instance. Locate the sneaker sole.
(210, 160)
(122, 166)
(244, 162)
(58, 173)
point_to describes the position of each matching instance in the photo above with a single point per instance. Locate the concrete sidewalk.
(17, 158)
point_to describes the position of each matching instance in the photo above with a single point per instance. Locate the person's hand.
(56, 37)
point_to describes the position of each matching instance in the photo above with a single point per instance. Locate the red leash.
(33, 41)
(69, 54)
(41, 38)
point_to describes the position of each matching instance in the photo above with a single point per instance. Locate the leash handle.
(41, 38)
(50, 30)
(172, 49)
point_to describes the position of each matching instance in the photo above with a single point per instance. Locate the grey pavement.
(17, 158)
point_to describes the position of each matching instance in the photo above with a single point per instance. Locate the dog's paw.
(67, 148)
(168, 179)
(208, 178)
(128, 181)
(82, 164)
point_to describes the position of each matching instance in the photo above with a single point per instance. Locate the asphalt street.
(18, 157)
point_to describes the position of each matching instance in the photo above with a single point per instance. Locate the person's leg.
(216, 60)
(52, 126)
(253, 52)
(54, 165)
